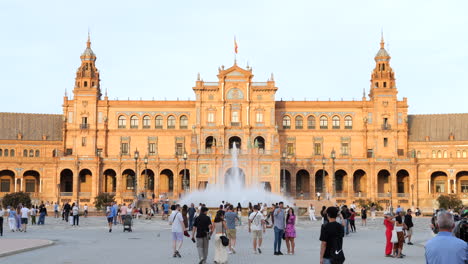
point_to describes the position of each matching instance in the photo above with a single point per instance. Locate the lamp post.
(283, 157)
(135, 179)
(145, 160)
(333, 157)
(78, 163)
(412, 194)
(185, 182)
(323, 174)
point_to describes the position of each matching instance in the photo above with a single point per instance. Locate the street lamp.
(135, 179)
(78, 163)
(412, 194)
(333, 157)
(323, 174)
(145, 160)
(391, 183)
(283, 157)
(185, 182)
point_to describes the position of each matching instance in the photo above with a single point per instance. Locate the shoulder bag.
(224, 239)
(394, 238)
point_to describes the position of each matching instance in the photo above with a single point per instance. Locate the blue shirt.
(399, 209)
(166, 207)
(230, 218)
(446, 248)
(113, 212)
(279, 218)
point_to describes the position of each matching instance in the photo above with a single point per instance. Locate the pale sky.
(154, 49)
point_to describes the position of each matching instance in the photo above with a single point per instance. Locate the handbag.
(224, 239)
(394, 238)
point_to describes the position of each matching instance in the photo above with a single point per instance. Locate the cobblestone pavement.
(150, 242)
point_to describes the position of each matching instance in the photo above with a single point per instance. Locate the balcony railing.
(383, 195)
(341, 194)
(386, 127)
(360, 195)
(235, 124)
(66, 194)
(85, 194)
(84, 126)
(403, 195)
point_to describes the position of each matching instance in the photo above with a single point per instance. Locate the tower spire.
(382, 42)
(88, 43)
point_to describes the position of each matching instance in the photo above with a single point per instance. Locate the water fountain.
(231, 188)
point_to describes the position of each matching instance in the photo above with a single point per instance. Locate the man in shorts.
(110, 215)
(24, 217)
(165, 210)
(230, 216)
(256, 226)
(178, 228)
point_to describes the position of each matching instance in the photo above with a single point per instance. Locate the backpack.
(461, 230)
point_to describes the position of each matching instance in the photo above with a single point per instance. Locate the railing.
(348, 127)
(110, 193)
(122, 126)
(341, 194)
(66, 194)
(360, 195)
(84, 126)
(386, 127)
(303, 196)
(85, 194)
(146, 127)
(383, 195)
(235, 124)
(404, 195)
(183, 127)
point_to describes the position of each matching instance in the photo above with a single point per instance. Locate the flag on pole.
(235, 45)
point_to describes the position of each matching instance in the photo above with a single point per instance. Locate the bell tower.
(383, 77)
(87, 75)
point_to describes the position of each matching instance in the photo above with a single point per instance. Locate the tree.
(450, 201)
(13, 199)
(103, 200)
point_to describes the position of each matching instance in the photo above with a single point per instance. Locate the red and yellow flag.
(235, 45)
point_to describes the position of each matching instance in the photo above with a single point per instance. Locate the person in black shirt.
(331, 236)
(409, 226)
(202, 228)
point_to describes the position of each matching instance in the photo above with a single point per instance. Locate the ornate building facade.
(368, 148)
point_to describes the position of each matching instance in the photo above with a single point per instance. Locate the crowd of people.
(18, 217)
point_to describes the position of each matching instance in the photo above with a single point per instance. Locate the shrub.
(13, 199)
(102, 200)
(450, 201)
(368, 204)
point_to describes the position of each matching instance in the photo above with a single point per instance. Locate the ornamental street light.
(412, 194)
(283, 157)
(185, 181)
(323, 174)
(135, 179)
(145, 160)
(333, 157)
(391, 184)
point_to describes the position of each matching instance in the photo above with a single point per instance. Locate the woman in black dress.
(364, 216)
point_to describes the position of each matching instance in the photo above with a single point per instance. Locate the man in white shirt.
(257, 225)
(353, 206)
(24, 217)
(178, 228)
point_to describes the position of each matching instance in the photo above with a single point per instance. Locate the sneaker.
(255, 251)
(178, 254)
(110, 230)
(280, 253)
(174, 255)
(409, 243)
(276, 253)
(234, 250)
(259, 250)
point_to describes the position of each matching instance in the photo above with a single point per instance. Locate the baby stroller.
(127, 223)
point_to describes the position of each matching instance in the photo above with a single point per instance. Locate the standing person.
(18, 217)
(331, 235)
(165, 211)
(33, 214)
(372, 211)
(42, 214)
(191, 215)
(399, 227)
(279, 225)
(2, 214)
(353, 206)
(446, 248)
(230, 217)
(202, 227)
(176, 220)
(409, 226)
(323, 213)
(364, 216)
(12, 218)
(76, 212)
(116, 208)
(111, 213)
(290, 232)
(220, 255)
(56, 210)
(123, 212)
(256, 226)
(312, 213)
(67, 209)
(318, 196)
(352, 220)
(239, 213)
(345, 215)
(388, 222)
(85, 209)
(24, 218)
(184, 215)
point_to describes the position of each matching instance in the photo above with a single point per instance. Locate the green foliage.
(103, 200)
(13, 199)
(367, 203)
(450, 201)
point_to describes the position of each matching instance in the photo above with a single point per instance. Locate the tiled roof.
(438, 127)
(31, 126)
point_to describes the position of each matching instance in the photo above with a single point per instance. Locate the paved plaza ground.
(150, 243)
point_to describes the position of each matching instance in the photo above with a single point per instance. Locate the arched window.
(146, 122)
(418, 154)
(37, 153)
(171, 122)
(458, 154)
(348, 122)
(122, 122)
(183, 122)
(299, 122)
(12, 152)
(130, 182)
(464, 154)
(159, 122)
(5, 153)
(134, 122)
(434, 154)
(311, 122)
(439, 154)
(286, 122)
(323, 122)
(25, 153)
(31, 153)
(445, 154)
(1, 152)
(336, 122)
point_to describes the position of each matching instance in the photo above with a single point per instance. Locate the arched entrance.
(383, 182)
(66, 181)
(185, 184)
(128, 176)
(403, 182)
(31, 180)
(439, 182)
(267, 186)
(7, 179)
(210, 142)
(86, 182)
(110, 180)
(148, 180)
(360, 183)
(285, 174)
(235, 140)
(234, 176)
(321, 177)
(462, 183)
(166, 181)
(341, 182)
(303, 184)
(259, 143)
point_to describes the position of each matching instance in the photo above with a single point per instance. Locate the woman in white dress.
(312, 213)
(220, 255)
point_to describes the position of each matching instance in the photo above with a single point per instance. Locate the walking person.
(345, 215)
(42, 214)
(331, 235)
(409, 226)
(388, 222)
(176, 220)
(56, 210)
(191, 215)
(116, 209)
(66, 209)
(110, 214)
(230, 217)
(203, 229)
(399, 227)
(33, 214)
(290, 231)
(323, 213)
(24, 218)
(256, 226)
(12, 218)
(2, 214)
(444, 247)
(312, 213)
(18, 217)
(352, 220)
(364, 216)
(85, 210)
(239, 212)
(279, 225)
(220, 255)
(76, 216)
